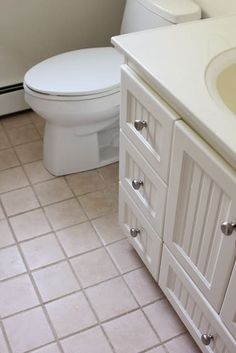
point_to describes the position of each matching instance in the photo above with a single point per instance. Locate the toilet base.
(66, 152)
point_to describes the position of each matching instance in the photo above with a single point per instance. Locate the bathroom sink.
(221, 80)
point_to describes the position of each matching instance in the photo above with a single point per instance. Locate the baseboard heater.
(12, 99)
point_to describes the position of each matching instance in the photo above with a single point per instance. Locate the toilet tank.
(145, 14)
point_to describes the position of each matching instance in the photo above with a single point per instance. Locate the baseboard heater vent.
(12, 99)
(11, 88)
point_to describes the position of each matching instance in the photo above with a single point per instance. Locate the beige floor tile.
(65, 214)
(23, 134)
(55, 281)
(90, 341)
(16, 120)
(94, 267)
(170, 325)
(12, 179)
(143, 286)
(31, 324)
(51, 348)
(37, 173)
(19, 201)
(6, 237)
(11, 263)
(130, 333)
(70, 314)
(4, 141)
(182, 344)
(30, 224)
(17, 294)
(110, 173)
(3, 344)
(98, 203)
(8, 159)
(30, 152)
(78, 239)
(124, 256)
(42, 251)
(83, 183)
(160, 349)
(108, 228)
(53, 191)
(111, 298)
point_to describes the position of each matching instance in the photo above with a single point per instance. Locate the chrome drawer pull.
(137, 184)
(206, 339)
(134, 232)
(227, 228)
(140, 124)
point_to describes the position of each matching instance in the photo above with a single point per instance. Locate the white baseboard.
(12, 102)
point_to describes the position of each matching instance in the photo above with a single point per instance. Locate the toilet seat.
(79, 74)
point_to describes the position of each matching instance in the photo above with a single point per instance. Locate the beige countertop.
(174, 60)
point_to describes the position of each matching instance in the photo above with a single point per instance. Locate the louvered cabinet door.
(201, 196)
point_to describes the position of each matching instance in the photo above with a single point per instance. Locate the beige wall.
(217, 7)
(32, 30)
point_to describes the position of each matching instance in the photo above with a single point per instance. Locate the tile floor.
(69, 280)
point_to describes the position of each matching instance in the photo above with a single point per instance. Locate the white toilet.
(77, 92)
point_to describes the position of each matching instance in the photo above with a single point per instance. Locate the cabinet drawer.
(192, 307)
(143, 184)
(146, 241)
(140, 103)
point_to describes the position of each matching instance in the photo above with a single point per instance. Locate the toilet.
(78, 92)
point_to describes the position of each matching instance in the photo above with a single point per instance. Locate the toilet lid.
(75, 73)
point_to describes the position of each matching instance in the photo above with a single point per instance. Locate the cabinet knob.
(137, 184)
(134, 232)
(227, 228)
(140, 124)
(206, 339)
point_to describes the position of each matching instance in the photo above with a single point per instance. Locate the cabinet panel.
(228, 311)
(201, 196)
(139, 102)
(198, 316)
(147, 242)
(149, 191)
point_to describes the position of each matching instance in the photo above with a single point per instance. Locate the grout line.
(2, 328)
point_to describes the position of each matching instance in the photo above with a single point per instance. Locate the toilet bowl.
(78, 92)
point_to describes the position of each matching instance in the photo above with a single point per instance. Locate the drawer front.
(196, 313)
(143, 185)
(140, 103)
(146, 242)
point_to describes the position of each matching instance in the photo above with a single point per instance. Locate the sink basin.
(221, 80)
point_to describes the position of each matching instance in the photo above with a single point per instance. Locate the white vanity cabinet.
(176, 192)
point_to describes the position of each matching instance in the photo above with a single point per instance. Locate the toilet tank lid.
(175, 11)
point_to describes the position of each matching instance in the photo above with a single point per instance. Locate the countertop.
(174, 60)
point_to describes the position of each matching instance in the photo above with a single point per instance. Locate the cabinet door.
(201, 196)
(228, 312)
